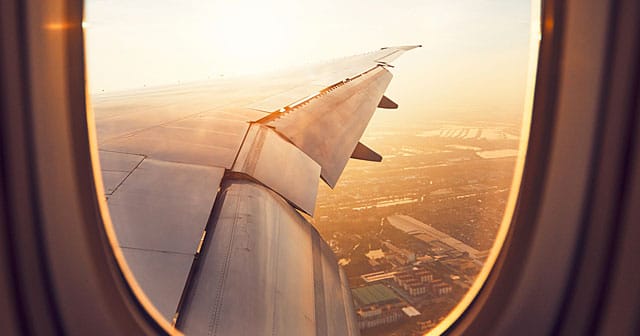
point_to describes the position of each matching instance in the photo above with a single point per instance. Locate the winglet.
(387, 103)
(362, 152)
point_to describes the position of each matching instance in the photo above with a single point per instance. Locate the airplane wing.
(203, 182)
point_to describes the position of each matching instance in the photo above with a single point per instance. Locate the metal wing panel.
(121, 162)
(307, 81)
(352, 323)
(162, 275)
(256, 271)
(338, 307)
(159, 211)
(394, 53)
(185, 145)
(244, 270)
(209, 138)
(329, 127)
(116, 167)
(346, 68)
(281, 166)
(276, 102)
(112, 179)
(164, 206)
(334, 305)
(138, 118)
(159, 122)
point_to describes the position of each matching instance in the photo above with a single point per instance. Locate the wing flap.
(281, 166)
(329, 127)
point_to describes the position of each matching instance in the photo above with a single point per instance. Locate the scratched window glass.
(320, 167)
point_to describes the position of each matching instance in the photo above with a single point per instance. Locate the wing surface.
(190, 169)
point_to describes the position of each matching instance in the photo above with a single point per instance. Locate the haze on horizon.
(473, 63)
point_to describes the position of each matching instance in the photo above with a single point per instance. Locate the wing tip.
(405, 47)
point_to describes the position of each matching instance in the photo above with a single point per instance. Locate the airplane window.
(203, 107)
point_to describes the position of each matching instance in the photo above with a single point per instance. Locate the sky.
(474, 63)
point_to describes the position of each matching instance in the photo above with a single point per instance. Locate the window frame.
(60, 273)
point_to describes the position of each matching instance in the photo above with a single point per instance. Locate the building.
(417, 288)
(415, 281)
(377, 305)
(428, 234)
(424, 275)
(377, 276)
(375, 257)
(439, 287)
(402, 256)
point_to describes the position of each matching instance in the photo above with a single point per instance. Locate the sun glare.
(253, 36)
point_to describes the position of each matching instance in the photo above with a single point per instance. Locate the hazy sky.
(474, 60)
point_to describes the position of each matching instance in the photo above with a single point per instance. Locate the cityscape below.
(413, 231)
